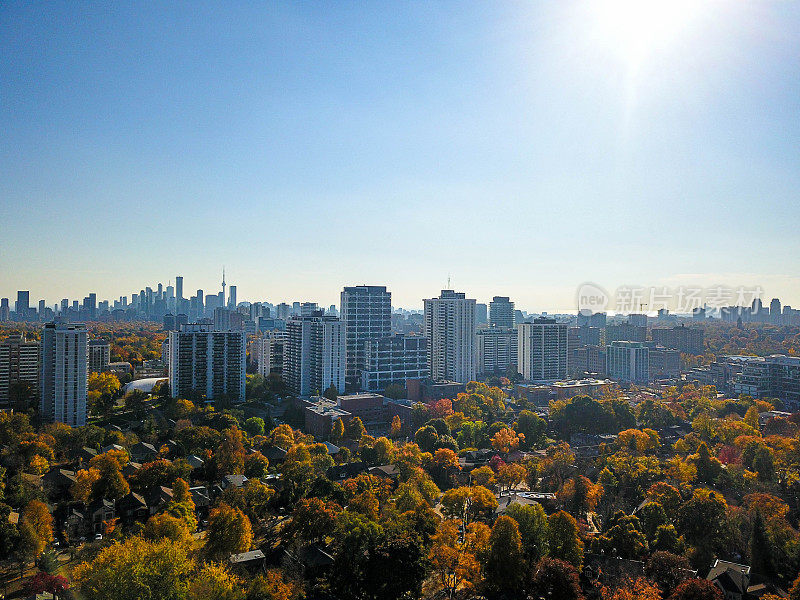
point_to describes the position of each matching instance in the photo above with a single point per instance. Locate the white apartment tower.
(628, 362)
(366, 311)
(207, 362)
(64, 373)
(270, 352)
(99, 356)
(19, 363)
(495, 350)
(314, 353)
(501, 312)
(542, 349)
(450, 329)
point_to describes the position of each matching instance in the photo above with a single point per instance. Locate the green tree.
(395, 391)
(426, 438)
(505, 564)
(565, 541)
(254, 426)
(355, 429)
(331, 393)
(762, 560)
(763, 464)
(532, 427)
(533, 528)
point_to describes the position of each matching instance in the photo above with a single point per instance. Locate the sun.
(635, 29)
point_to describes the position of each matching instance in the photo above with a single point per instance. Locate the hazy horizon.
(521, 149)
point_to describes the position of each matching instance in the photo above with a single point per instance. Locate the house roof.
(246, 557)
(195, 461)
(133, 498)
(730, 576)
(386, 470)
(234, 480)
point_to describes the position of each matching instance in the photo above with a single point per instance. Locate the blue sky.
(521, 148)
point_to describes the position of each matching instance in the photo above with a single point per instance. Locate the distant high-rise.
(366, 311)
(179, 287)
(481, 314)
(5, 310)
(628, 362)
(232, 297)
(591, 319)
(64, 373)
(308, 309)
(501, 312)
(637, 320)
(625, 332)
(270, 353)
(19, 363)
(99, 355)
(543, 349)
(22, 305)
(206, 362)
(689, 340)
(314, 354)
(450, 329)
(496, 350)
(392, 360)
(775, 311)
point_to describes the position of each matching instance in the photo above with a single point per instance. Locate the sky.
(516, 148)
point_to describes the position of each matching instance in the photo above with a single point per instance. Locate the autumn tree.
(396, 427)
(272, 585)
(696, 589)
(37, 517)
(636, 589)
(468, 503)
(85, 480)
(230, 456)
(229, 532)
(166, 526)
(337, 431)
(135, 568)
(215, 581)
(510, 475)
(313, 519)
(506, 440)
(453, 558)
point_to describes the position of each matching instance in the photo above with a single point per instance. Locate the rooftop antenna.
(448, 281)
(223, 281)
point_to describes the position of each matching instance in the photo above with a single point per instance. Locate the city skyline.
(738, 296)
(520, 149)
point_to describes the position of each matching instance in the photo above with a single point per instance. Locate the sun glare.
(634, 29)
